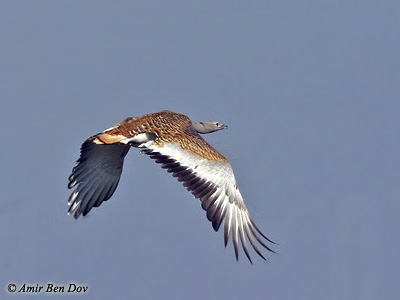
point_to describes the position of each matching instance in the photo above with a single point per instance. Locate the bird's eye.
(217, 123)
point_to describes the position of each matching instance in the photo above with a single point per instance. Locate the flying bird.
(173, 141)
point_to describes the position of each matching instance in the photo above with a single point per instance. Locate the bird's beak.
(224, 126)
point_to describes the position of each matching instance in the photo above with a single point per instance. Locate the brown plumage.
(168, 127)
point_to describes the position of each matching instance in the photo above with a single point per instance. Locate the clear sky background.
(311, 93)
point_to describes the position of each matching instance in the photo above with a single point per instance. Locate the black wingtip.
(250, 260)
(254, 231)
(76, 215)
(226, 232)
(259, 231)
(71, 184)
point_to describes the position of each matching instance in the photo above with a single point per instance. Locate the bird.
(174, 141)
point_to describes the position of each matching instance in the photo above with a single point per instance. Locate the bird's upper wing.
(215, 185)
(95, 176)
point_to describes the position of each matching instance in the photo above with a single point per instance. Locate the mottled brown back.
(169, 127)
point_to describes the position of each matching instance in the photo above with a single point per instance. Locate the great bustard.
(173, 140)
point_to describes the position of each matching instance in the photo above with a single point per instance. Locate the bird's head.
(209, 126)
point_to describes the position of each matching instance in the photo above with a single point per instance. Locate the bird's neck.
(200, 128)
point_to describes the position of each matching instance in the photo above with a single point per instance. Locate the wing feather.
(235, 233)
(218, 218)
(96, 175)
(242, 238)
(215, 185)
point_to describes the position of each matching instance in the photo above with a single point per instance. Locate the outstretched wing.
(96, 175)
(215, 185)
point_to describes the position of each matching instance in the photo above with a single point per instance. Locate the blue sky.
(310, 92)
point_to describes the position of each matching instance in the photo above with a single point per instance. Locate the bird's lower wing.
(215, 185)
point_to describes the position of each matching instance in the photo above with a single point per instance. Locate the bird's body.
(168, 127)
(173, 140)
